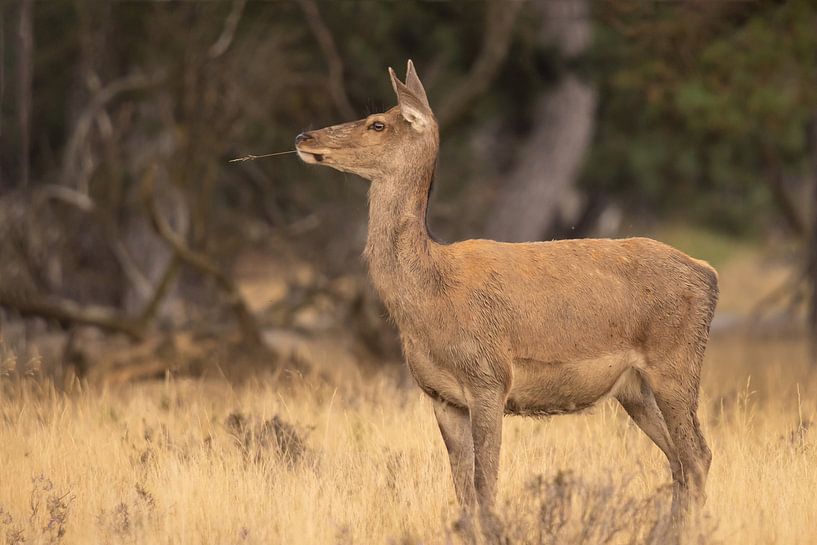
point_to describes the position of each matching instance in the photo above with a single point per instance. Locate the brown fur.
(540, 328)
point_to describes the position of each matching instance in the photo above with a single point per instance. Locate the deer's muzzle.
(302, 142)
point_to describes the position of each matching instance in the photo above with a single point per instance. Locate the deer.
(491, 328)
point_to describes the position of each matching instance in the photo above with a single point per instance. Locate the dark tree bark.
(2, 82)
(550, 160)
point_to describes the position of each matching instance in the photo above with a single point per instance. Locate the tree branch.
(159, 292)
(85, 122)
(228, 32)
(330, 52)
(64, 310)
(246, 321)
(86, 204)
(500, 18)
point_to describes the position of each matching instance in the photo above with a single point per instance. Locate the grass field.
(298, 462)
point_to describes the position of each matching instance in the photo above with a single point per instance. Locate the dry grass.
(185, 461)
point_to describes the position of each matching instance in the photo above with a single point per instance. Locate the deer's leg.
(455, 428)
(487, 409)
(639, 402)
(676, 395)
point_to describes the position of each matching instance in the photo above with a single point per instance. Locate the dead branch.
(123, 257)
(246, 321)
(159, 292)
(228, 32)
(60, 309)
(27, 302)
(330, 52)
(64, 310)
(86, 204)
(83, 125)
(499, 22)
(70, 196)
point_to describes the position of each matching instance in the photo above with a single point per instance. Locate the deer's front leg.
(455, 428)
(487, 409)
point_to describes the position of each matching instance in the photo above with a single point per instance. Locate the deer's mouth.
(311, 157)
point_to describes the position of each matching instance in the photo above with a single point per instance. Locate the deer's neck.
(399, 248)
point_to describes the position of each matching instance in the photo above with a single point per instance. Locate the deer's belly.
(547, 388)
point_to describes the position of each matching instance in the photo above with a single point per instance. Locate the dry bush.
(127, 520)
(568, 509)
(47, 516)
(257, 439)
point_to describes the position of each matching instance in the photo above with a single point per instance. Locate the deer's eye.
(377, 126)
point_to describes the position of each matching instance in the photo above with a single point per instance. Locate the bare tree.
(550, 159)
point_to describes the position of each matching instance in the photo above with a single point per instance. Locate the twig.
(330, 52)
(254, 157)
(228, 33)
(69, 196)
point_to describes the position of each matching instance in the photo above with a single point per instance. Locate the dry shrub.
(49, 509)
(11, 532)
(126, 520)
(257, 438)
(569, 510)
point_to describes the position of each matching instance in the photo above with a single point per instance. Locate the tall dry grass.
(297, 462)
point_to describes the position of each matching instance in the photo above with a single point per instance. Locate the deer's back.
(578, 298)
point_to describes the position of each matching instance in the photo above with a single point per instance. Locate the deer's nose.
(303, 137)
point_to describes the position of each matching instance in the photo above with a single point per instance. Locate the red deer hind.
(542, 328)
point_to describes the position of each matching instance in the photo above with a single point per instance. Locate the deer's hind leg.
(638, 401)
(675, 383)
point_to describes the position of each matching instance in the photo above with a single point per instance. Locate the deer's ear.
(413, 83)
(412, 108)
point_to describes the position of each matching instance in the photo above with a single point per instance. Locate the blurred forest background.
(130, 246)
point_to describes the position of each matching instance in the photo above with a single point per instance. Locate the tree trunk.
(2, 83)
(811, 249)
(25, 69)
(550, 160)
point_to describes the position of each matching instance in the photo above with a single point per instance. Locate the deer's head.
(404, 137)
